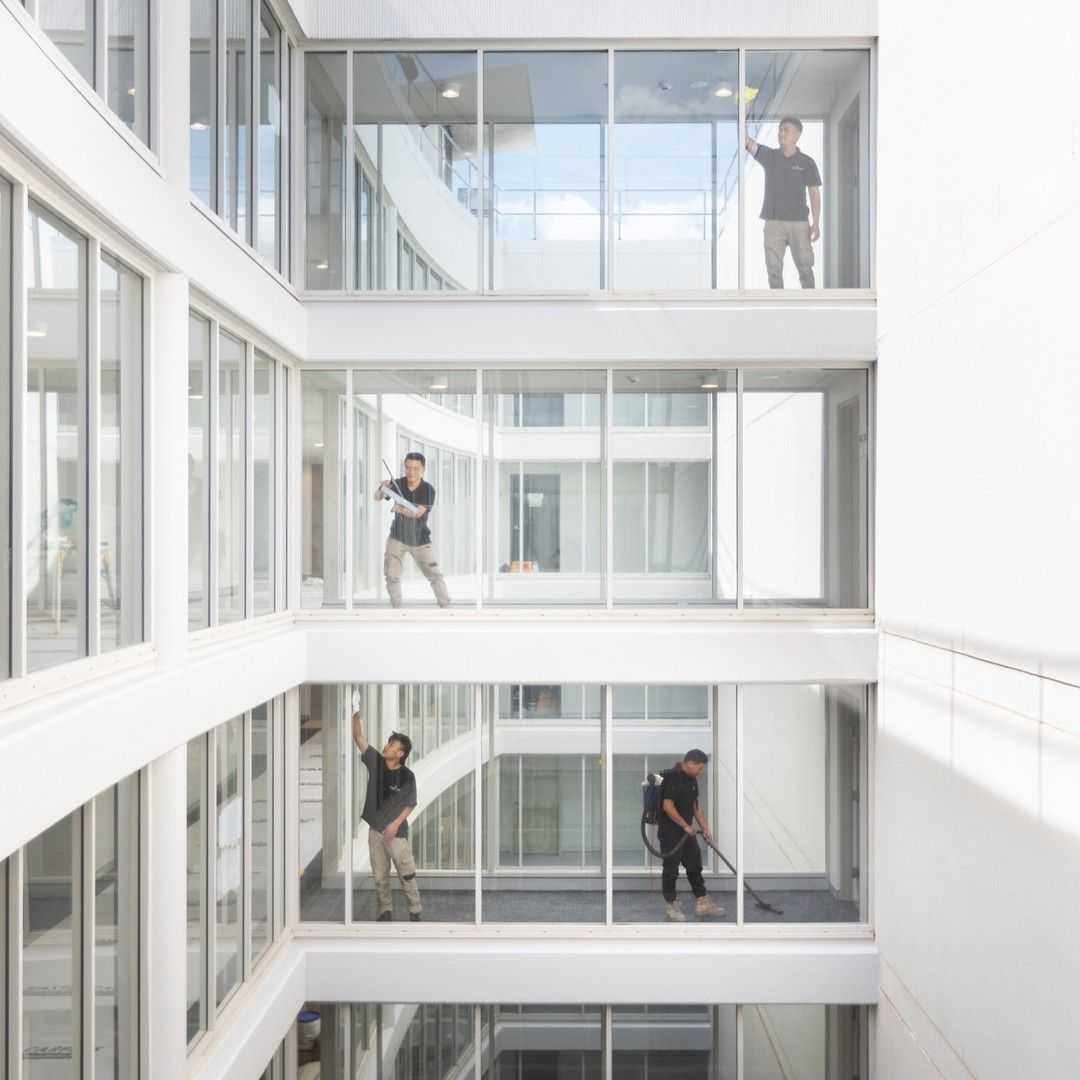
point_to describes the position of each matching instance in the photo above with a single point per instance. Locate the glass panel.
(556, 1042)
(6, 258)
(804, 793)
(50, 997)
(127, 64)
(415, 167)
(676, 170)
(196, 887)
(265, 493)
(202, 138)
(543, 804)
(237, 98)
(5, 932)
(229, 856)
(270, 112)
(812, 1042)
(545, 188)
(70, 26)
(322, 1038)
(655, 727)
(231, 455)
(54, 481)
(543, 487)
(810, 174)
(116, 932)
(120, 526)
(670, 517)
(325, 129)
(439, 836)
(673, 1042)
(262, 827)
(198, 480)
(805, 488)
(398, 557)
(323, 760)
(324, 463)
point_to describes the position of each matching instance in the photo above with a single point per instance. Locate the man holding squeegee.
(410, 532)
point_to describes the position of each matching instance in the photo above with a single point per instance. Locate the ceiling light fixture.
(195, 397)
(198, 125)
(771, 378)
(38, 330)
(710, 384)
(698, 84)
(438, 386)
(319, 445)
(131, 91)
(451, 91)
(723, 90)
(324, 265)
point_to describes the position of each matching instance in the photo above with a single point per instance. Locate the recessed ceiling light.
(195, 397)
(438, 386)
(633, 379)
(771, 378)
(324, 265)
(698, 84)
(131, 91)
(723, 90)
(710, 384)
(451, 91)
(319, 445)
(38, 330)
(198, 125)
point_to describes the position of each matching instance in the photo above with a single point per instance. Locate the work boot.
(385, 916)
(705, 908)
(674, 911)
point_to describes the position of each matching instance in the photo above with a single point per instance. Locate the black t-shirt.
(389, 792)
(786, 181)
(413, 531)
(682, 789)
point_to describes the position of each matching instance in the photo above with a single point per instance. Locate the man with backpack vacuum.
(680, 806)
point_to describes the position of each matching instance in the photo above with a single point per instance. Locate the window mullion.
(93, 446)
(350, 494)
(349, 277)
(739, 557)
(252, 135)
(220, 39)
(246, 801)
(213, 478)
(249, 480)
(19, 441)
(100, 20)
(85, 891)
(13, 944)
(741, 151)
(210, 901)
(739, 815)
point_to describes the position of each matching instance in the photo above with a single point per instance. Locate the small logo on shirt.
(797, 168)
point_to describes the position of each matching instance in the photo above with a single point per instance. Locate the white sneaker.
(675, 912)
(705, 908)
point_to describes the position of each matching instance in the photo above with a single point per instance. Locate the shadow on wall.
(977, 855)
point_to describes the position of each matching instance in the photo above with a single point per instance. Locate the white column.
(167, 514)
(167, 930)
(171, 110)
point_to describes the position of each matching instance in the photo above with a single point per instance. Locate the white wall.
(978, 583)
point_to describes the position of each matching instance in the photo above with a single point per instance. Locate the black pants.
(689, 856)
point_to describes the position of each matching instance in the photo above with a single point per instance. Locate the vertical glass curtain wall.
(235, 857)
(581, 1042)
(72, 321)
(555, 171)
(236, 477)
(743, 489)
(73, 918)
(108, 44)
(520, 786)
(238, 146)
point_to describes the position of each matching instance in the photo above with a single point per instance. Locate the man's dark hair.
(404, 742)
(794, 121)
(415, 455)
(697, 757)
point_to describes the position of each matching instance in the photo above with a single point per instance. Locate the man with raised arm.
(681, 808)
(789, 176)
(410, 531)
(391, 798)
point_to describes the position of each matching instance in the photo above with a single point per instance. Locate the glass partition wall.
(737, 488)
(595, 170)
(399, 1041)
(529, 800)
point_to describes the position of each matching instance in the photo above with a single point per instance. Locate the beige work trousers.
(424, 557)
(399, 852)
(780, 235)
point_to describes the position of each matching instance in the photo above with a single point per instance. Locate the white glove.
(355, 700)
